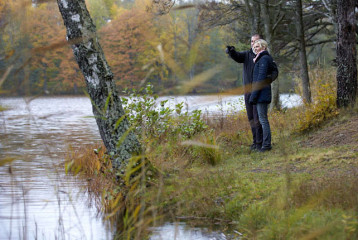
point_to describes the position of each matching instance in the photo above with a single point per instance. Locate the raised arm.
(236, 56)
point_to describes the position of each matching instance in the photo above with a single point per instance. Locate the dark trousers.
(262, 112)
(253, 117)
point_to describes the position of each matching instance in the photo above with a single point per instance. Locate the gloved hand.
(229, 49)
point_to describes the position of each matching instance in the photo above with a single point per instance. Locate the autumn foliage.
(141, 45)
(125, 42)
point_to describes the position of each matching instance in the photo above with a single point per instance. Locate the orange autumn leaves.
(140, 46)
(125, 41)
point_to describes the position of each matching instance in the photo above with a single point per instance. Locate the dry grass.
(94, 166)
(334, 190)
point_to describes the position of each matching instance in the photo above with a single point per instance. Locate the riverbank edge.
(296, 190)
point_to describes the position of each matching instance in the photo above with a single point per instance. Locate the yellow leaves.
(2, 5)
(9, 54)
(143, 4)
(324, 101)
(315, 114)
(116, 11)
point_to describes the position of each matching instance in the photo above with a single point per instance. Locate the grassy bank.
(305, 188)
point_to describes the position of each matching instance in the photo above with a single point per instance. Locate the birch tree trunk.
(346, 54)
(106, 104)
(306, 89)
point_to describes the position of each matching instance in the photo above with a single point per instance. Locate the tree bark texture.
(253, 11)
(306, 89)
(106, 104)
(275, 100)
(346, 54)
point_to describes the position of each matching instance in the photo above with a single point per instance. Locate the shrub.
(160, 122)
(323, 104)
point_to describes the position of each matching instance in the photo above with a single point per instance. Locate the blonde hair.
(262, 43)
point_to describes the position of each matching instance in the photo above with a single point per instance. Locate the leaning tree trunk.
(107, 108)
(306, 89)
(346, 54)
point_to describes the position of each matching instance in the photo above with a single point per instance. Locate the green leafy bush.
(161, 121)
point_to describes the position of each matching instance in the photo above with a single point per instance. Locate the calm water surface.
(37, 199)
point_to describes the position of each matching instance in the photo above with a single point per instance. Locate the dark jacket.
(261, 92)
(245, 57)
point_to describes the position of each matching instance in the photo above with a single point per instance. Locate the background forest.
(164, 43)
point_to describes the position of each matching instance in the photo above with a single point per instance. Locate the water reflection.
(179, 231)
(37, 200)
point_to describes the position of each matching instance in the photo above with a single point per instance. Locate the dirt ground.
(338, 132)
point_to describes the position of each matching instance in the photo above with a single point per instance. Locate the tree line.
(163, 42)
(140, 47)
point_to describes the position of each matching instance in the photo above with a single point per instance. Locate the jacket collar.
(263, 53)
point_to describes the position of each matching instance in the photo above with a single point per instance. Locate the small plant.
(206, 149)
(190, 124)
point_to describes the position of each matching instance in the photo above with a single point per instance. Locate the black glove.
(229, 49)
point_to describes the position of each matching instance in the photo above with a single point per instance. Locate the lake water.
(37, 199)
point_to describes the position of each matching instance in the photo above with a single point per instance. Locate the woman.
(261, 94)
